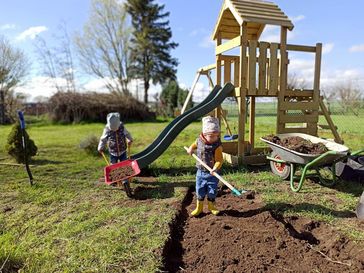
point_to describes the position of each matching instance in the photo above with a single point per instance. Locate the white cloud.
(31, 33)
(298, 18)
(207, 42)
(40, 86)
(7, 26)
(272, 34)
(357, 48)
(327, 48)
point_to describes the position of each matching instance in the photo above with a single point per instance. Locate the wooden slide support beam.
(190, 93)
(220, 48)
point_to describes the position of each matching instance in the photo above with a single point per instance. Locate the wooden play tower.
(260, 70)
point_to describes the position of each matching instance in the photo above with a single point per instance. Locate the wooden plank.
(255, 4)
(218, 71)
(268, 21)
(316, 85)
(227, 71)
(252, 67)
(261, 28)
(268, 10)
(229, 57)
(228, 45)
(263, 46)
(303, 48)
(190, 93)
(299, 105)
(237, 74)
(243, 83)
(303, 93)
(273, 69)
(282, 80)
(330, 122)
(230, 29)
(208, 67)
(252, 122)
(298, 118)
(275, 16)
(295, 130)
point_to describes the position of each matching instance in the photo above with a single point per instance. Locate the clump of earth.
(298, 144)
(120, 173)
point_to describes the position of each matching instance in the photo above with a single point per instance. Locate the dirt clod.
(298, 144)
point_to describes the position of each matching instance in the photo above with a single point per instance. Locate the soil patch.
(248, 237)
(298, 144)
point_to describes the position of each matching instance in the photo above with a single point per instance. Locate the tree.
(173, 96)
(104, 45)
(150, 55)
(58, 61)
(14, 67)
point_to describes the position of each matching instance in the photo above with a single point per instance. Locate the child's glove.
(190, 151)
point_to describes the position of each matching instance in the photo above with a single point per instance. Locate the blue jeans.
(116, 159)
(206, 184)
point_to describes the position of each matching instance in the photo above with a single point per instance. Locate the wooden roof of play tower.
(255, 13)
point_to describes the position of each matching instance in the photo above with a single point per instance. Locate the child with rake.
(208, 148)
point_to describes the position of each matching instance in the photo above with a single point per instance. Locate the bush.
(89, 145)
(14, 146)
(71, 107)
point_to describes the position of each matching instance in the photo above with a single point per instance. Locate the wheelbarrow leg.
(300, 183)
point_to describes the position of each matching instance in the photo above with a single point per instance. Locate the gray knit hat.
(113, 121)
(210, 125)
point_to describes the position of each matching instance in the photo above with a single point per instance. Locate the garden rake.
(233, 190)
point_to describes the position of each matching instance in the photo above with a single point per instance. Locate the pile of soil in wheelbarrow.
(119, 173)
(298, 144)
(249, 237)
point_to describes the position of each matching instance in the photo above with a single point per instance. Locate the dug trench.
(248, 236)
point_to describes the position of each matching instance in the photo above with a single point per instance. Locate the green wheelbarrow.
(285, 162)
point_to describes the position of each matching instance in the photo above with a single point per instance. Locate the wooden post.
(218, 72)
(252, 122)
(312, 127)
(243, 84)
(191, 91)
(282, 80)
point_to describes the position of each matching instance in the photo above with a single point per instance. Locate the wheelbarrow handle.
(104, 156)
(215, 174)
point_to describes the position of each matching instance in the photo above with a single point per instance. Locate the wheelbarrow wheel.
(281, 169)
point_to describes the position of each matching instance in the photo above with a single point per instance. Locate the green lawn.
(70, 222)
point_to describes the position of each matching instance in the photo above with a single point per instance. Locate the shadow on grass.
(41, 162)
(157, 190)
(10, 265)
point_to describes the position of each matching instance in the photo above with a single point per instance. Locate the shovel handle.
(215, 174)
(103, 155)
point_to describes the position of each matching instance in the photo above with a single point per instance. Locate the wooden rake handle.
(235, 191)
(104, 156)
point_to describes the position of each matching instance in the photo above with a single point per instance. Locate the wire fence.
(349, 121)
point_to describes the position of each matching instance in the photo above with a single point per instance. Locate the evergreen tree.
(151, 45)
(14, 146)
(172, 97)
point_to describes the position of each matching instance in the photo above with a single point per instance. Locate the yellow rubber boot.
(198, 208)
(212, 208)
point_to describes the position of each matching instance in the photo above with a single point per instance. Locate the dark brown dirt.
(298, 144)
(248, 237)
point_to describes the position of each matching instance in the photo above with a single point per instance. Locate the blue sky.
(337, 24)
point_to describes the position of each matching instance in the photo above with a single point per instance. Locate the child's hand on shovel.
(212, 172)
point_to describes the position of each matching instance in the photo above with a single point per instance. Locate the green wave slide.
(166, 137)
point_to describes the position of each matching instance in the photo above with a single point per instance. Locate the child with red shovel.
(209, 149)
(117, 139)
